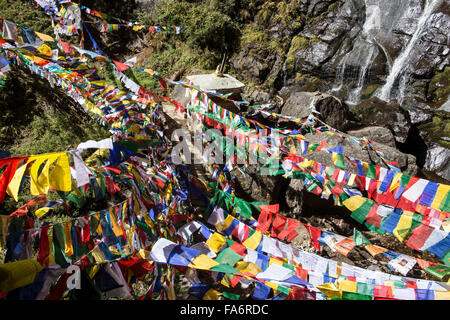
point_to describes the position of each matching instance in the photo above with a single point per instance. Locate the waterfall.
(403, 83)
(339, 82)
(355, 94)
(362, 54)
(402, 59)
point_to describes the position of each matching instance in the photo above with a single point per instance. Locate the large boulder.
(254, 186)
(327, 107)
(438, 161)
(419, 112)
(375, 112)
(251, 68)
(379, 134)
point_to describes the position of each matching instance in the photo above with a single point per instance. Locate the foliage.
(24, 13)
(209, 32)
(38, 120)
(439, 88)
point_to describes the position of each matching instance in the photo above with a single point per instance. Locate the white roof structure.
(213, 82)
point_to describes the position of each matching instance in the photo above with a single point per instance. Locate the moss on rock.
(369, 90)
(439, 88)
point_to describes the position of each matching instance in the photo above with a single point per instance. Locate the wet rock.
(311, 58)
(418, 112)
(438, 161)
(379, 113)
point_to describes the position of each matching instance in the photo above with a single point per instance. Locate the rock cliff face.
(386, 61)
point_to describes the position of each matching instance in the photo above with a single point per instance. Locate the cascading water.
(398, 67)
(355, 94)
(339, 82)
(362, 54)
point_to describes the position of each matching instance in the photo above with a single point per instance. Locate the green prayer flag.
(330, 171)
(289, 266)
(359, 238)
(93, 223)
(339, 162)
(373, 228)
(243, 207)
(59, 243)
(372, 173)
(231, 296)
(283, 289)
(404, 180)
(252, 231)
(445, 203)
(365, 289)
(355, 296)
(361, 213)
(226, 268)
(439, 271)
(228, 256)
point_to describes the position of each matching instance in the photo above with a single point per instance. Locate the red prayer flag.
(11, 164)
(121, 66)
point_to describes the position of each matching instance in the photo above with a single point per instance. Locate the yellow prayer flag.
(51, 252)
(60, 178)
(395, 181)
(225, 223)
(354, 202)
(212, 294)
(330, 290)
(99, 226)
(44, 37)
(351, 180)
(69, 248)
(441, 192)
(348, 286)
(216, 241)
(45, 50)
(18, 274)
(275, 261)
(247, 266)
(143, 254)
(115, 227)
(374, 249)
(97, 254)
(203, 262)
(14, 185)
(272, 285)
(225, 281)
(441, 295)
(253, 241)
(403, 226)
(42, 211)
(40, 184)
(94, 270)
